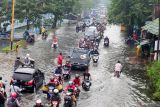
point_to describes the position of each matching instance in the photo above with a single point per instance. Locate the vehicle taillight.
(30, 83)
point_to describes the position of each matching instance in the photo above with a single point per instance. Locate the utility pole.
(12, 32)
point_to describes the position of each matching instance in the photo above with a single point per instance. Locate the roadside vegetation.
(130, 12)
(153, 71)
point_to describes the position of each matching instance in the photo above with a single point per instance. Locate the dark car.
(28, 78)
(79, 58)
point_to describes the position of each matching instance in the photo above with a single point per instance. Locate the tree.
(5, 10)
(29, 10)
(129, 12)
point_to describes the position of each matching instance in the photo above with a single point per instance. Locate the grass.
(153, 72)
(7, 49)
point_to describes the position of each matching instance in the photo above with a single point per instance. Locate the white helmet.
(39, 101)
(70, 83)
(27, 55)
(56, 91)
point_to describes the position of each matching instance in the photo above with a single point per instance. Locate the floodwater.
(106, 90)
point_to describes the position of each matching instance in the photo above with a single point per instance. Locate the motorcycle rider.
(94, 52)
(87, 75)
(15, 88)
(71, 88)
(43, 31)
(118, 68)
(28, 60)
(58, 71)
(68, 65)
(13, 101)
(77, 81)
(38, 103)
(18, 63)
(55, 42)
(106, 39)
(56, 97)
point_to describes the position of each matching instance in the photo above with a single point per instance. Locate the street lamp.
(12, 32)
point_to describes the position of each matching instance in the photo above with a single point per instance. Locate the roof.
(152, 27)
(25, 70)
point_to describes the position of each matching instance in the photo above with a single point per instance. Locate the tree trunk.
(55, 22)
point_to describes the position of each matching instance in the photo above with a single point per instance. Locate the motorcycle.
(68, 102)
(30, 39)
(117, 74)
(77, 29)
(106, 43)
(66, 73)
(86, 84)
(50, 91)
(77, 92)
(54, 46)
(95, 58)
(44, 36)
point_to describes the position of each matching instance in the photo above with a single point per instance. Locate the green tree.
(129, 12)
(5, 11)
(29, 10)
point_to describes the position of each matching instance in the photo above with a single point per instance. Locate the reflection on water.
(4, 43)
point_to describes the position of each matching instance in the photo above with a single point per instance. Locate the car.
(79, 58)
(91, 33)
(28, 78)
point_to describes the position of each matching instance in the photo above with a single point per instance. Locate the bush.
(153, 72)
(7, 49)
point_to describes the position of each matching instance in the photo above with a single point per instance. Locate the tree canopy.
(130, 12)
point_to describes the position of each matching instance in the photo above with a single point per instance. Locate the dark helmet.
(0, 78)
(18, 58)
(118, 62)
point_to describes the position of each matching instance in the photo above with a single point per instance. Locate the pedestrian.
(17, 48)
(60, 59)
(2, 97)
(55, 42)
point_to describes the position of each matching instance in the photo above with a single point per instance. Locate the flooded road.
(106, 90)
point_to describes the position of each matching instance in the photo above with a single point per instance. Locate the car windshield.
(78, 53)
(22, 76)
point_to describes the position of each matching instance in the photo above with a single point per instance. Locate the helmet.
(27, 55)
(68, 93)
(18, 58)
(14, 95)
(0, 78)
(77, 76)
(39, 101)
(70, 83)
(56, 91)
(118, 62)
